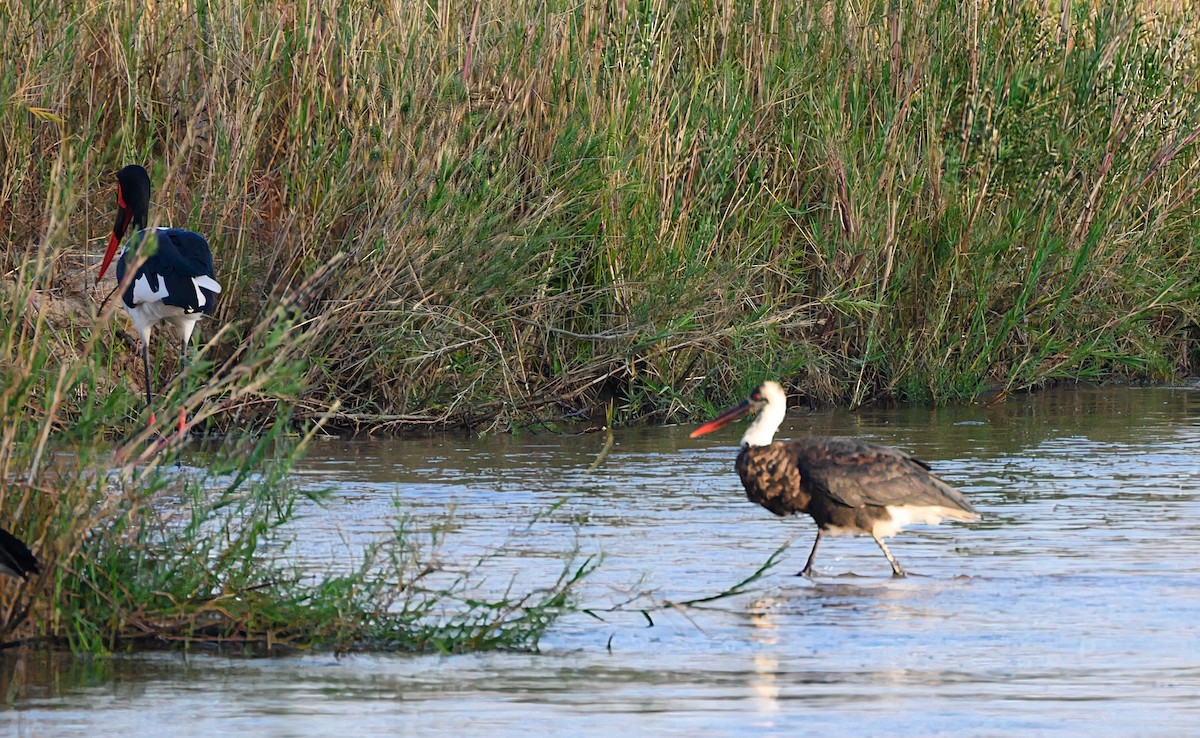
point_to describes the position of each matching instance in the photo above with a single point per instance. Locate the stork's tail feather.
(958, 507)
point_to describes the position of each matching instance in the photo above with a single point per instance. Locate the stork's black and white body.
(175, 282)
(16, 560)
(847, 486)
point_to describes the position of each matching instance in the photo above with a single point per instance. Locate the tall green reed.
(546, 206)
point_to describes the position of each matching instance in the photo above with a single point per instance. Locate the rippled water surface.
(1072, 608)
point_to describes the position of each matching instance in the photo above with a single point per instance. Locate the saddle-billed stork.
(174, 283)
(847, 486)
(16, 560)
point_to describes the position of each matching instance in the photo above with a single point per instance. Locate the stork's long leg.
(184, 335)
(146, 367)
(812, 555)
(896, 570)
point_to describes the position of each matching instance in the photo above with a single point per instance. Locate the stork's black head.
(133, 194)
(133, 206)
(758, 398)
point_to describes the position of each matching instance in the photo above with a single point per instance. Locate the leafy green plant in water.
(215, 564)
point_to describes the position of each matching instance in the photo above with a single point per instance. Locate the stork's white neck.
(762, 430)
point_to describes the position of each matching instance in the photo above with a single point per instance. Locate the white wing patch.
(206, 282)
(142, 292)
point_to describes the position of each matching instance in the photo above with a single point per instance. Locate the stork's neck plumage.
(762, 431)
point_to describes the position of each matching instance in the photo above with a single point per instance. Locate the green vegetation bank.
(536, 207)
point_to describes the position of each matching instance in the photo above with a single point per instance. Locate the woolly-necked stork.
(174, 283)
(847, 486)
(16, 560)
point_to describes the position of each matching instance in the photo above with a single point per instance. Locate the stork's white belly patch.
(837, 530)
(906, 515)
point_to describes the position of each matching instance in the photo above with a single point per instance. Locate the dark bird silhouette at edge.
(847, 486)
(16, 560)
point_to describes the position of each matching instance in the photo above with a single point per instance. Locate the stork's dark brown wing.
(855, 473)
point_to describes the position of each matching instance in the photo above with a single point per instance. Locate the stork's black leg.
(896, 570)
(812, 555)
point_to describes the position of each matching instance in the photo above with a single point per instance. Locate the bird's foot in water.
(180, 435)
(157, 444)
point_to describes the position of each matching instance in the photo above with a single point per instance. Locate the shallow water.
(1071, 608)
